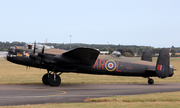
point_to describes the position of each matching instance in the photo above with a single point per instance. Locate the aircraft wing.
(85, 56)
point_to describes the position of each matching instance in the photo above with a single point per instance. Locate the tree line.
(126, 50)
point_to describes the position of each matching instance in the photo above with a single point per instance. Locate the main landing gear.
(150, 81)
(51, 79)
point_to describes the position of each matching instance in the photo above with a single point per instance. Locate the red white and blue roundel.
(110, 65)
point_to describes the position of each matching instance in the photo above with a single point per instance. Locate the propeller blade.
(32, 55)
(34, 47)
(43, 50)
(42, 53)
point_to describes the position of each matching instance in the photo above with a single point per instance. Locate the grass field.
(16, 74)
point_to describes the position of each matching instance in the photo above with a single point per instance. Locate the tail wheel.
(54, 80)
(150, 81)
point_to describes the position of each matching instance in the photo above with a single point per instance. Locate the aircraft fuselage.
(105, 64)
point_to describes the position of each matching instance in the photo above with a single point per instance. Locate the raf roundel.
(110, 65)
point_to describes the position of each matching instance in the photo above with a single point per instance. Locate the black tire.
(57, 82)
(150, 81)
(45, 79)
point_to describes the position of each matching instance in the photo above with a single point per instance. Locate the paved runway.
(39, 94)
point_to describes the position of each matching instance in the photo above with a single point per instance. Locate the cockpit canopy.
(116, 53)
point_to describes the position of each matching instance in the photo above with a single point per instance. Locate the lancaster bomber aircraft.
(88, 60)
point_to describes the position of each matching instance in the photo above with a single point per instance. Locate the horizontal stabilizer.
(86, 56)
(162, 67)
(147, 56)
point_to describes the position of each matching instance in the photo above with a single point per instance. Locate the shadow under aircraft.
(88, 60)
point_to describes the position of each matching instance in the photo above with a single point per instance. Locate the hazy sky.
(127, 22)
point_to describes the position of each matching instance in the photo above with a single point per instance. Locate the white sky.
(127, 22)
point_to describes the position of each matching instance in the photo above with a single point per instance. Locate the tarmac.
(71, 93)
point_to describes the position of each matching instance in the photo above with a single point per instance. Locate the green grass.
(155, 97)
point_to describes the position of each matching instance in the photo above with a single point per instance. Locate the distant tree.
(104, 49)
(127, 54)
(173, 52)
(131, 52)
(122, 48)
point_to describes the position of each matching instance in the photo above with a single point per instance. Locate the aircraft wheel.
(45, 79)
(150, 81)
(54, 81)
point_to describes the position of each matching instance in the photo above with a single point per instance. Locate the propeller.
(44, 58)
(33, 56)
(34, 47)
(41, 54)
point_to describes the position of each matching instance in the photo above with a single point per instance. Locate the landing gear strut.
(150, 81)
(51, 79)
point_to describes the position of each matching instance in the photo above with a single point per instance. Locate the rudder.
(162, 66)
